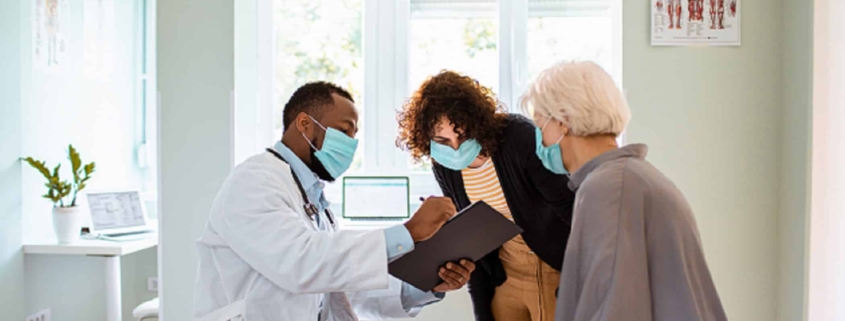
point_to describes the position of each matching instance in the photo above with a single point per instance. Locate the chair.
(146, 310)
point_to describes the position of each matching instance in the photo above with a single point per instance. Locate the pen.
(422, 199)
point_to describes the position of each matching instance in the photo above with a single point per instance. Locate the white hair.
(582, 96)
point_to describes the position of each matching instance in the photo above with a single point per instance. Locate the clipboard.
(471, 234)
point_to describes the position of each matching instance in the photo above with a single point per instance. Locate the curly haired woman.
(482, 153)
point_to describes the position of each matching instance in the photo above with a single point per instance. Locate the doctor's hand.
(433, 213)
(454, 276)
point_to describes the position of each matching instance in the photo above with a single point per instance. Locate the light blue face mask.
(455, 159)
(338, 150)
(550, 156)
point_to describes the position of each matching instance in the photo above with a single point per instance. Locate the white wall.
(711, 118)
(457, 306)
(826, 253)
(797, 93)
(72, 286)
(195, 79)
(11, 214)
(101, 118)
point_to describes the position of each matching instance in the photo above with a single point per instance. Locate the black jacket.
(539, 200)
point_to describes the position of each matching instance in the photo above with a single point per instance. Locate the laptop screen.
(375, 197)
(115, 210)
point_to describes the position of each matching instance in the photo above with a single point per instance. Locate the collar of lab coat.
(633, 150)
(310, 182)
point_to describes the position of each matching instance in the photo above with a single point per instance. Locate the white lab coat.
(260, 248)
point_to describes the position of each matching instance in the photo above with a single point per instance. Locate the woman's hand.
(454, 276)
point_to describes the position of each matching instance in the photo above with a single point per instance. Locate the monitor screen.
(375, 197)
(115, 210)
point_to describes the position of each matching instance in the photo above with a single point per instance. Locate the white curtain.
(827, 218)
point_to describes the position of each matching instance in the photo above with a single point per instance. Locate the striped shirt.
(482, 184)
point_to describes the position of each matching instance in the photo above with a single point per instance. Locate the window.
(382, 50)
(555, 39)
(146, 97)
(463, 44)
(330, 50)
(453, 36)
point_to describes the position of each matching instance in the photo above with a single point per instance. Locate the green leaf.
(89, 169)
(75, 162)
(38, 165)
(56, 171)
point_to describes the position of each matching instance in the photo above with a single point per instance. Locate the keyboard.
(126, 237)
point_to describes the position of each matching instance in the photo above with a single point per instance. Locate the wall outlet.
(152, 284)
(43, 315)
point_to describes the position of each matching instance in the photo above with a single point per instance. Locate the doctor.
(270, 247)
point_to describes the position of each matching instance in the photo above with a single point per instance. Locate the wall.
(68, 105)
(797, 93)
(826, 254)
(11, 214)
(711, 118)
(195, 79)
(98, 114)
(81, 296)
(457, 306)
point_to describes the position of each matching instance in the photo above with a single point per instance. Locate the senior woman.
(634, 252)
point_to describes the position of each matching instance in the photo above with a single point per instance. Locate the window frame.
(146, 151)
(386, 57)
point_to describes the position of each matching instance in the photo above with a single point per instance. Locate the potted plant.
(67, 216)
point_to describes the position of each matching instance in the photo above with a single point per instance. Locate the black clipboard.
(471, 234)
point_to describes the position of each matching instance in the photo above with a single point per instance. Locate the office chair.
(147, 310)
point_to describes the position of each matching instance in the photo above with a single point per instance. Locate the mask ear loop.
(318, 123)
(306, 137)
(308, 141)
(548, 120)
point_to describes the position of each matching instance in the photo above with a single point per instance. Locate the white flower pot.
(67, 223)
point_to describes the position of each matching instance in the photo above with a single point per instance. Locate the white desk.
(112, 251)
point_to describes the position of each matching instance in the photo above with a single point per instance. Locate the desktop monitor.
(376, 198)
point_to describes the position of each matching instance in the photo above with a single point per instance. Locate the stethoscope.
(310, 209)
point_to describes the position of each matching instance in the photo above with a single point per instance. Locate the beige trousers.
(529, 292)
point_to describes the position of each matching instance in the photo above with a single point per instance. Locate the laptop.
(118, 216)
(376, 199)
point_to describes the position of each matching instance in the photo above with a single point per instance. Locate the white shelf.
(91, 247)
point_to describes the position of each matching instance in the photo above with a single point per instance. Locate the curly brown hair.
(471, 107)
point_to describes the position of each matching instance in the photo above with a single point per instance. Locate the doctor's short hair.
(582, 96)
(312, 99)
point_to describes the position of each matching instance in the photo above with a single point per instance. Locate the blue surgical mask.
(338, 150)
(455, 159)
(550, 155)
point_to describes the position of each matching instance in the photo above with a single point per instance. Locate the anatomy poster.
(99, 32)
(50, 28)
(695, 22)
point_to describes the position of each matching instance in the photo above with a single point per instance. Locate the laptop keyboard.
(114, 235)
(126, 237)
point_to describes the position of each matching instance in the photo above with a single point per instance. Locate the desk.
(112, 251)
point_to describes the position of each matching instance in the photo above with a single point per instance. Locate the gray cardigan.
(634, 252)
